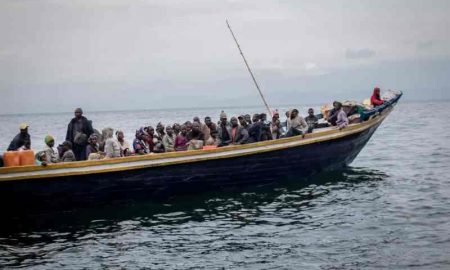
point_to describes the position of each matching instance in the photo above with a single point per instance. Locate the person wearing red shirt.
(376, 100)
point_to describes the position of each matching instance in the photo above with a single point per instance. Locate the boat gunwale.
(328, 135)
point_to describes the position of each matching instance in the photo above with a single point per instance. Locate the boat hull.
(74, 191)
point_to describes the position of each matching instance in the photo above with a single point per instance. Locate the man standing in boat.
(78, 131)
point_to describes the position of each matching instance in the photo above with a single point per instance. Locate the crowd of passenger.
(83, 142)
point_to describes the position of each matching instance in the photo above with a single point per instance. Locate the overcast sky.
(116, 55)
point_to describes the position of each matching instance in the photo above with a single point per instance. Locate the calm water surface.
(390, 209)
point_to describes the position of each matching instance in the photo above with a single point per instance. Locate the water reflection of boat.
(83, 183)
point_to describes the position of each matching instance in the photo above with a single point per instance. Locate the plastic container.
(26, 157)
(11, 158)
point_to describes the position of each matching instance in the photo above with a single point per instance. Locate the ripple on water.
(389, 210)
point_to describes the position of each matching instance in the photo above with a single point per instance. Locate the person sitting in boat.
(78, 131)
(342, 120)
(112, 147)
(188, 126)
(224, 130)
(149, 138)
(242, 122)
(169, 140)
(195, 137)
(376, 100)
(181, 140)
(203, 128)
(311, 120)
(266, 134)
(160, 131)
(275, 125)
(41, 158)
(125, 149)
(212, 127)
(66, 153)
(254, 131)
(139, 146)
(332, 115)
(248, 119)
(284, 125)
(239, 135)
(92, 149)
(296, 125)
(158, 145)
(213, 138)
(21, 140)
(50, 154)
(176, 129)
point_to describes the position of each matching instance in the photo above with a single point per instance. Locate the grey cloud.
(359, 53)
(156, 53)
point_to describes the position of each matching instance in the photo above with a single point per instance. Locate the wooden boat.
(78, 184)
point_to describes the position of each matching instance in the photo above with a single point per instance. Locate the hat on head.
(223, 115)
(48, 139)
(79, 110)
(241, 117)
(23, 126)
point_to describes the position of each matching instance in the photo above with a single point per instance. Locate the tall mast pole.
(249, 70)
